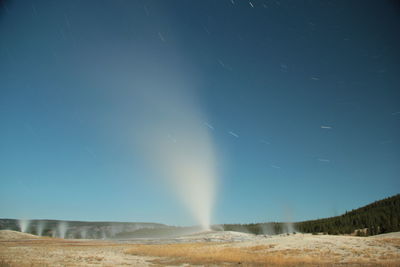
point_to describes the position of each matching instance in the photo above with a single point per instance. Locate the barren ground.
(204, 249)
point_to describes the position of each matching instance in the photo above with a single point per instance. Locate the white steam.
(178, 146)
(62, 228)
(40, 227)
(24, 225)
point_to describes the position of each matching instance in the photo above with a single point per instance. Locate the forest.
(379, 217)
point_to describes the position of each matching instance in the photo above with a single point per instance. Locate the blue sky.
(302, 99)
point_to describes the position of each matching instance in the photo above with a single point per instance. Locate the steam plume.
(179, 146)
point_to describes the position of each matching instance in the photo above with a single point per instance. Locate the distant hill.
(76, 229)
(379, 217)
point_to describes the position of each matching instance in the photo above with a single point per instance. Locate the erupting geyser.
(178, 145)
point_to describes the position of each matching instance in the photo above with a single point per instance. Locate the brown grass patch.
(4, 263)
(210, 254)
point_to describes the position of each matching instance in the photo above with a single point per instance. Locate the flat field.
(203, 249)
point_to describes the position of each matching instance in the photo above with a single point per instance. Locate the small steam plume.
(40, 227)
(83, 233)
(288, 226)
(24, 225)
(267, 229)
(62, 228)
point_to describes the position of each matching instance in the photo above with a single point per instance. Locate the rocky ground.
(203, 249)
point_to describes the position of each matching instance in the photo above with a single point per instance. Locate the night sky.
(301, 99)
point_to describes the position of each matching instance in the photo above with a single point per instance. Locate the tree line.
(379, 217)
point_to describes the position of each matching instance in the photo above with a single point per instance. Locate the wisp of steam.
(24, 225)
(178, 145)
(40, 227)
(62, 228)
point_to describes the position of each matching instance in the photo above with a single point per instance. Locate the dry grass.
(279, 251)
(215, 254)
(54, 252)
(209, 254)
(4, 263)
(395, 242)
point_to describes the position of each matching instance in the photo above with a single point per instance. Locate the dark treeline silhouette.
(379, 217)
(270, 228)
